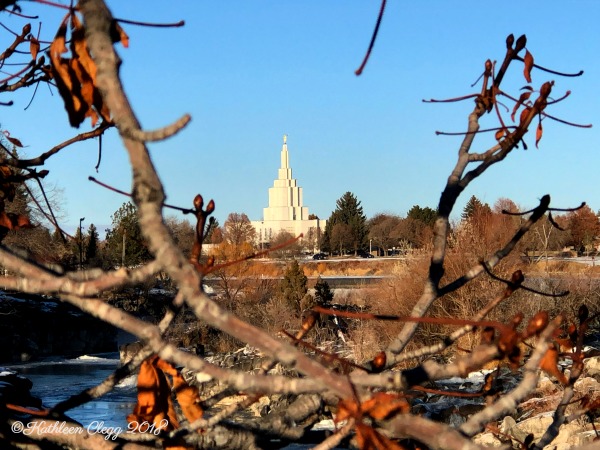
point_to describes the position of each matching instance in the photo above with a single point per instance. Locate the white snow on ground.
(90, 358)
(208, 289)
(130, 381)
(326, 424)
(473, 377)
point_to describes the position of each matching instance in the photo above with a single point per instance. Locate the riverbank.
(35, 326)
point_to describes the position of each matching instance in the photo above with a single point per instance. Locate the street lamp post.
(81, 245)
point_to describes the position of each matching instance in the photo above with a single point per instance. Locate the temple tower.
(285, 197)
(286, 211)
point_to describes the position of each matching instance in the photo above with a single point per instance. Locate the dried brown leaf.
(346, 408)
(154, 405)
(34, 47)
(549, 365)
(528, 60)
(383, 405)
(123, 38)
(524, 115)
(63, 75)
(79, 48)
(538, 134)
(14, 141)
(188, 398)
(14, 221)
(522, 99)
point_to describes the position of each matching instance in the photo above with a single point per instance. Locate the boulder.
(15, 389)
(592, 367)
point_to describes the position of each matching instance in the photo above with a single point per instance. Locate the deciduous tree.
(381, 231)
(583, 227)
(238, 230)
(291, 250)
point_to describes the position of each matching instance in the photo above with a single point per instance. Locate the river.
(55, 380)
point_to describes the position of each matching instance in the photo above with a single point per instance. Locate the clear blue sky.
(250, 71)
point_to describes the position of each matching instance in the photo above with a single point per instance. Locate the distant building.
(286, 211)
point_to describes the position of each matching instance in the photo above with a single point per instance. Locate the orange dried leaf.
(34, 47)
(14, 221)
(499, 134)
(522, 99)
(383, 405)
(63, 76)
(58, 45)
(165, 366)
(549, 365)
(346, 409)
(528, 60)
(368, 438)
(538, 134)
(123, 38)
(154, 404)
(79, 48)
(188, 398)
(524, 115)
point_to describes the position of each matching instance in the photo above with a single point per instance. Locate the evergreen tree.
(470, 207)
(126, 234)
(323, 294)
(473, 207)
(91, 248)
(426, 215)
(294, 286)
(211, 226)
(348, 212)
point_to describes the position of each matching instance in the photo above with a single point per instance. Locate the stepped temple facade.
(286, 211)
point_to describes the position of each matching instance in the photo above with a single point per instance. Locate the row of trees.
(347, 231)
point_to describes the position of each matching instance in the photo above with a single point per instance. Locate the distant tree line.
(347, 231)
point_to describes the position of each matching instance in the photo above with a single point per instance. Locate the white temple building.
(286, 211)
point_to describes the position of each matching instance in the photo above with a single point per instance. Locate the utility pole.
(81, 245)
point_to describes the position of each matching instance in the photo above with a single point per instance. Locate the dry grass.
(403, 285)
(564, 267)
(331, 267)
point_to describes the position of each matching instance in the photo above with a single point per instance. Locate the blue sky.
(250, 71)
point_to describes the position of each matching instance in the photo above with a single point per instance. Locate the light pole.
(370, 247)
(80, 245)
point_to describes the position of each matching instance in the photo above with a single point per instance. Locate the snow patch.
(127, 382)
(89, 358)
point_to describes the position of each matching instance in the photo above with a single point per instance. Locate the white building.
(286, 211)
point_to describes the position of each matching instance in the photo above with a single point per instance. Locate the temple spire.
(285, 159)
